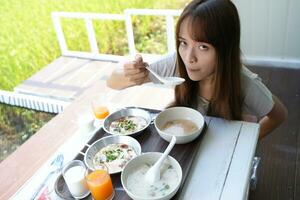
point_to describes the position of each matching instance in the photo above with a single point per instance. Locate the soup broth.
(127, 125)
(179, 127)
(114, 156)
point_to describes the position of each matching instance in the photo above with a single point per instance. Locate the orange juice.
(100, 112)
(100, 185)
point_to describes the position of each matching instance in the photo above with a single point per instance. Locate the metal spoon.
(56, 166)
(171, 80)
(153, 174)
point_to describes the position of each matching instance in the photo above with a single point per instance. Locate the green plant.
(17, 125)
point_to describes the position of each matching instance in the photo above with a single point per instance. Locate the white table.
(222, 166)
(223, 163)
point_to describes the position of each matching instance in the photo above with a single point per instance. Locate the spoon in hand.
(153, 174)
(171, 80)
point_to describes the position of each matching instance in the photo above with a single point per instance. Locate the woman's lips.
(193, 70)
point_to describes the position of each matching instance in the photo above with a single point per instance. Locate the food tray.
(150, 142)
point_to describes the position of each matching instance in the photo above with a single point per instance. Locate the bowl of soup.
(135, 185)
(183, 122)
(114, 151)
(127, 121)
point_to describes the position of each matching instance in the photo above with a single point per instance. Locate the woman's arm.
(119, 80)
(273, 119)
(133, 73)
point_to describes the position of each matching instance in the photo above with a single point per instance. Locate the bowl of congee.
(133, 177)
(127, 121)
(183, 122)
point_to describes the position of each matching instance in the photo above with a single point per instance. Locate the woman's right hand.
(135, 71)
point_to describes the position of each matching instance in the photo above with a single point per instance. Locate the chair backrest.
(126, 17)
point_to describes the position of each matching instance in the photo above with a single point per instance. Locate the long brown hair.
(217, 23)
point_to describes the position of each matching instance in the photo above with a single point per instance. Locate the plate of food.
(127, 121)
(113, 151)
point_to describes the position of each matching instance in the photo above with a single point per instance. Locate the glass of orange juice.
(100, 110)
(100, 184)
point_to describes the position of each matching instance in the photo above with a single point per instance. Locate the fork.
(56, 166)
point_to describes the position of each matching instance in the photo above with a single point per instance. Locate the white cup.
(74, 175)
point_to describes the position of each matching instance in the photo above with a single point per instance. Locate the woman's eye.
(182, 43)
(203, 47)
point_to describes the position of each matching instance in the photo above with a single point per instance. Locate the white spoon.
(56, 166)
(171, 80)
(153, 174)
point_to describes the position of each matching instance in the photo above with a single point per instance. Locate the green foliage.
(17, 125)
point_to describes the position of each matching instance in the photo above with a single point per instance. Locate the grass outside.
(28, 42)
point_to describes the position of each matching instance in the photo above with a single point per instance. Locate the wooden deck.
(66, 78)
(279, 170)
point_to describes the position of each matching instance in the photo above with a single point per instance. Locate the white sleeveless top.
(257, 100)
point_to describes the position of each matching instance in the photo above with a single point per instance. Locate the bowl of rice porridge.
(183, 122)
(127, 121)
(134, 182)
(114, 151)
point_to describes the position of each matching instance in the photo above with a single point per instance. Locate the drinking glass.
(100, 108)
(99, 183)
(74, 175)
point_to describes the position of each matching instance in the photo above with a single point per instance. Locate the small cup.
(74, 175)
(100, 108)
(99, 183)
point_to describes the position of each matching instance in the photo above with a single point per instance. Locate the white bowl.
(151, 158)
(179, 113)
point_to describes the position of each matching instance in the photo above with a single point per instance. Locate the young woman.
(208, 57)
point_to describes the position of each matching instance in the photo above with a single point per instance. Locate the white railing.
(169, 15)
(32, 102)
(88, 17)
(126, 17)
